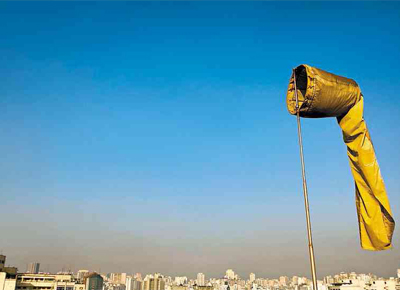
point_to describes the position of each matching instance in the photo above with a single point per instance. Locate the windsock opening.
(321, 94)
(301, 79)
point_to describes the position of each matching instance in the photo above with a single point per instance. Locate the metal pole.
(305, 191)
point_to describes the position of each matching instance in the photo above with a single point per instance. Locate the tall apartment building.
(201, 279)
(137, 285)
(129, 283)
(181, 280)
(283, 280)
(155, 282)
(93, 282)
(33, 268)
(252, 277)
(230, 274)
(118, 278)
(115, 278)
(123, 278)
(133, 284)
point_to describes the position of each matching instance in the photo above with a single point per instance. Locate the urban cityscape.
(35, 279)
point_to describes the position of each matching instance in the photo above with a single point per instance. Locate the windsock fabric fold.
(322, 94)
(373, 209)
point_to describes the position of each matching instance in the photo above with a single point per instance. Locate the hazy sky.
(154, 137)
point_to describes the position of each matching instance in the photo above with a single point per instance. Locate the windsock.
(322, 94)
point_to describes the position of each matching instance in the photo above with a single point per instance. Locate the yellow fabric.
(374, 215)
(322, 94)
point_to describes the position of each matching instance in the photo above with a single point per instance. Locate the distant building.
(132, 283)
(181, 280)
(2, 261)
(230, 274)
(347, 284)
(29, 281)
(295, 280)
(129, 283)
(252, 277)
(155, 282)
(383, 284)
(7, 283)
(115, 278)
(94, 282)
(201, 279)
(137, 285)
(123, 278)
(80, 275)
(10, 272)
(7, 275)
(118, 278)
(33, 268)
(283, 280)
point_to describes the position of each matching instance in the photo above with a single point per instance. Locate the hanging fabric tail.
(322, 94)
(373, 209)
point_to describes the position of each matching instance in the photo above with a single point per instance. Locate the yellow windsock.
(322, 94)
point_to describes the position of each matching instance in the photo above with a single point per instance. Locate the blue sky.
(155, 136)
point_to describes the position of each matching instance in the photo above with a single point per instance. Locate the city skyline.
(11, 279)
(200, 279)
(154, 137)
(229, 273)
